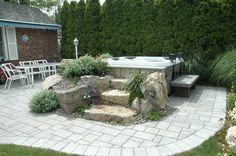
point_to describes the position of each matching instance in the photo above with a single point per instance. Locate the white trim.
(30, 22)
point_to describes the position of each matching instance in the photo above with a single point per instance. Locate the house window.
(8, 44)
(1, 45)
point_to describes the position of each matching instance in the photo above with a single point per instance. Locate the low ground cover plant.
(81, 109)
(44, 101)
(153, 115)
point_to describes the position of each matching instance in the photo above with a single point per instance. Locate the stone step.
(115, 96)
(118, 83)
(105, 113)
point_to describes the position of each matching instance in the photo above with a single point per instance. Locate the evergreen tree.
(149, 33)
(111, 24)
(165, 25)
(63, 16)
(92, 20)
(80, 28)
(71, 30)
(131, 29)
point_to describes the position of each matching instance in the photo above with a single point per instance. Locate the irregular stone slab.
(231, 138)
(107, 113)
(116, 97)
(70, 99)
(97, 83)
(118, 83)
(51, 81)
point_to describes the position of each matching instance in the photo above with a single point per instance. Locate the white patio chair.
(12, 74)
(35, 71)
(47, 68)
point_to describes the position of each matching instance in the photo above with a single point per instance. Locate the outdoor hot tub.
(122, 67)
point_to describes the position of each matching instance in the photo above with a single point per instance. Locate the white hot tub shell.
(122, 67)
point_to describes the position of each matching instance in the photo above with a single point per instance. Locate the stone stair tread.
(116, 92)
(119, 80)
(115, 96)
(118, 114)
(118, 83)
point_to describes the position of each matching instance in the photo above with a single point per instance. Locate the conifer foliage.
(149, 27)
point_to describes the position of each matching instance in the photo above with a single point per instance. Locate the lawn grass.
(209, 148)
(14, 150)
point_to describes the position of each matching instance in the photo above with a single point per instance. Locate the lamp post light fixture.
(76, 43)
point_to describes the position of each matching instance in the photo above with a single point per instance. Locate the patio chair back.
(5, 72)
(22, 63)
(40, 61)
(7, 68)
(12, 74)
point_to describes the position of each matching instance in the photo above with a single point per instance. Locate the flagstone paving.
(193, 121)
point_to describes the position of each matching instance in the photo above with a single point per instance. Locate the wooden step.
(115, 97)
(105, 113)
(118, 83)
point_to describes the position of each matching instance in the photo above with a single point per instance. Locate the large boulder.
(51, 81)
(97, 83)
(231, 138)
(155, 92)
(70, 99)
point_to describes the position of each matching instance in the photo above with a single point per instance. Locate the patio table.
(30, 68)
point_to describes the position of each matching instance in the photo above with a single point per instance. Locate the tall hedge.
(72, 24)
(92, 22)
(63, 19)
(153, 27)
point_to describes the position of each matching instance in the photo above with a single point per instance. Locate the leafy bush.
(133, 85)
(100, 68)
(72, 69)
(231, 101)
(224, 69)
(44, 101)
(105, 55)
(85, 65)
(153, 116)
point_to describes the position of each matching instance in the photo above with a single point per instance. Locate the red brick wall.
(42, 44)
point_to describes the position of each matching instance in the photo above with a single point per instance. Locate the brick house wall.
(42, 44)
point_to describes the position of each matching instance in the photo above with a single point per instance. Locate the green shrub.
(76, 68)
(133, 85)
(233, 122)
(195, 64)
(72, 69)
(105, 55)
(100, 68)
(224, 69)
(153, 115)
(231, 101)
(86, 63)
(44, 101)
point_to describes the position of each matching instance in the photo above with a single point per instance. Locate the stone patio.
(194, 120)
